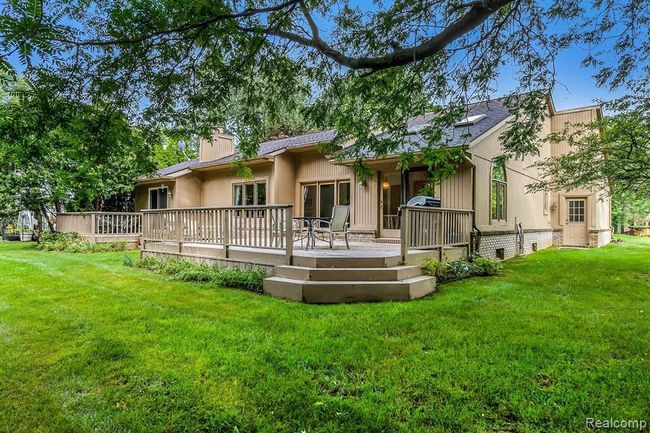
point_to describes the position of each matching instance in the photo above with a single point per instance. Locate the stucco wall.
(521, 206)
(217, 185)
(142, 193)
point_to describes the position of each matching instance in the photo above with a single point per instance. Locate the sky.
(575, 87)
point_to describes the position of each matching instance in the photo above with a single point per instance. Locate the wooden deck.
(263, 236)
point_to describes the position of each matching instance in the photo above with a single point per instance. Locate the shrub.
(75, 243)
(249, 279)
(462, 268)
(486, 266)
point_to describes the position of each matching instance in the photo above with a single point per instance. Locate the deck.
(264, 236)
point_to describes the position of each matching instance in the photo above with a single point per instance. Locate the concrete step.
(393, 273)
(323, 292)
(346, 262)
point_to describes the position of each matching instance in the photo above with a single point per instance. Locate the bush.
(485, 266)
(75, 243)
(462, 268)
(249, 279)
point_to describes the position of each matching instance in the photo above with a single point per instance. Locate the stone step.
(346, 262)
(393, 273)
(323, 292)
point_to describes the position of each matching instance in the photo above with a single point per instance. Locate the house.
(506, 219)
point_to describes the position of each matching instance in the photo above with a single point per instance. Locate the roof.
(495, 112)
(269, 147)
(177, 167)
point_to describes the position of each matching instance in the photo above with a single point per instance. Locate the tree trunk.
(47, 218)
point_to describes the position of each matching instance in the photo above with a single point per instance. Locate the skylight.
(471, 120)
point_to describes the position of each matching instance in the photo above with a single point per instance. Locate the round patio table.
(311, 236)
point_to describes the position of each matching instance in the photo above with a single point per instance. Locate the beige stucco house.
(293, 171)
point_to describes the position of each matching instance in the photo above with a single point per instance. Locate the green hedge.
(75, 243)
(473, 266)
(248, 279)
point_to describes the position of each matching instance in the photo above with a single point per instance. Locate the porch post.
(289, 232)
(404, 190)
(404, 234)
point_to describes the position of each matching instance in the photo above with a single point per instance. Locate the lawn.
(88, 344)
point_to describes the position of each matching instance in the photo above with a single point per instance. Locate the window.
(249, 194)
(499, 191)
(319, 198)
(576, 211)
(344, 193)
(158, 198)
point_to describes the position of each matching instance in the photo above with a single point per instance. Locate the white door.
(575, 224)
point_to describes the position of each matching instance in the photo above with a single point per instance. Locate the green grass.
(87, 344)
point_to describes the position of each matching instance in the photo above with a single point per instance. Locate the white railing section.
(429, 227)
(100, 223)
(118, 223)
(264, 227)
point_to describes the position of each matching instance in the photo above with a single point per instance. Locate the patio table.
(310, 220)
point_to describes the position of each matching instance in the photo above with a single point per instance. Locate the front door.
(575, 225)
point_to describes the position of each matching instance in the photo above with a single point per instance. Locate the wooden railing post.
(178, 227)
(288, 223)
(225, 235)
(404, 234)
(93, 226)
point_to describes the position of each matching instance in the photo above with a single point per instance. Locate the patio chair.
(337, 225)
(300, 231)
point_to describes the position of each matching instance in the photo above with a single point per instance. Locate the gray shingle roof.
(494, 110)
(177, 167)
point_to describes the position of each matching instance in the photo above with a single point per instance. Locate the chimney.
(220, 145)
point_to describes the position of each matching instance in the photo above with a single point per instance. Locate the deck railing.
(264, 227)
(104, 224)
(429, 227)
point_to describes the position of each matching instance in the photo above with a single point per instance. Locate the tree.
(627, 209)
(364, 70)
(60, 154)
(172, 149)
(611, 156)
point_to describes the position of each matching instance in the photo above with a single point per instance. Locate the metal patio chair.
(338, 224)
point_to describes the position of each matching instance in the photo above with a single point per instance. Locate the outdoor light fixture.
(386, 185)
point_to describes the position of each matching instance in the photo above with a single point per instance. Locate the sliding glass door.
(320, 198)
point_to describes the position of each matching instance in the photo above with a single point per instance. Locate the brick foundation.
(598, 238)
(489, 242)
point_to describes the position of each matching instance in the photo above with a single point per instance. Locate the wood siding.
(456, 191)
(313, 166)
(569, 120)
(218, 146)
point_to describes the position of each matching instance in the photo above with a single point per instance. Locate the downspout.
(474, 246)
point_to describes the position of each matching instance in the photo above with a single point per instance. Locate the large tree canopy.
(56, 153)
(360, 69)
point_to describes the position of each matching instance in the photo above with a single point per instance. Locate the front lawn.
(88, 344)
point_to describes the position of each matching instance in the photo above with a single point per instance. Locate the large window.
(158, 198)
(249, 194)
(319, 198)
(499, 191)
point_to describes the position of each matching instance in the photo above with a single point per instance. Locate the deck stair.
(346, 279)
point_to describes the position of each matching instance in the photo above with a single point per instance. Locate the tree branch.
(478, 13)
